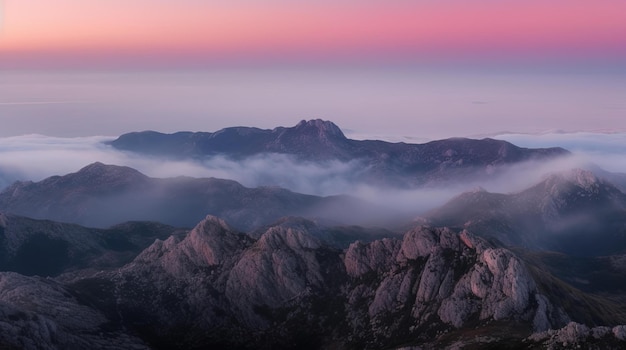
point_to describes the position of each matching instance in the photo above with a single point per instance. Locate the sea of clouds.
(35, 157)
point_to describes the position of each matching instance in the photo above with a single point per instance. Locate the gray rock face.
(280, 268)
(285, 287)
(288, 286)
(576, 335)
(438, 279)
(38, 313)
(375, 257)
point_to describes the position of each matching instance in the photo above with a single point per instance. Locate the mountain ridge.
(102, 195)
(393, 164)
(428, 283)
(286, 286)
(548, 215)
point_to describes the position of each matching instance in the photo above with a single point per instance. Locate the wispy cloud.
(604, 149)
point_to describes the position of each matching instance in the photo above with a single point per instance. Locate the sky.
(401, 70)
(118, 32)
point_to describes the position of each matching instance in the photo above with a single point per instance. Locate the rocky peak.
(294, 233)
(583, 178)
(210, 244)
(576, 189)
(377, 256)
(213, 241)
(281, 268)
(422, 241)
(323, 128)
(105, 171)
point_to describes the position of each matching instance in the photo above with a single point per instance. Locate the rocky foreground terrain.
(216, 287)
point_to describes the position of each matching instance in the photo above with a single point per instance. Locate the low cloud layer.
(35, 157)
(603, 149)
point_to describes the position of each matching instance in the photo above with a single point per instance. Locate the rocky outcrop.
(38, 313)
(280, 269)
(287, 286)
(576, 335)
(435, 280)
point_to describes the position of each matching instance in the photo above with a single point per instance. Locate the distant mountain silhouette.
(102, 195)
(397, 164)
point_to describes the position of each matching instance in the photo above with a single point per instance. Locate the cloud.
(35, 157)
(605, 149)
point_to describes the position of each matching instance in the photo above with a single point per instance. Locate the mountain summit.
(323, 128)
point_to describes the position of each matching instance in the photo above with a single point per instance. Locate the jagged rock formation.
(288, 288)
(102, 195)
(574, 212)
(392, 164)
(284, 286)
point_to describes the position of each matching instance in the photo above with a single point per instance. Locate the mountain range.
(381, 163)
(210, 263)
(102, 195)
(286, 287)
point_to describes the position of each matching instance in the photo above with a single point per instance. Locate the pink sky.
(36, 32)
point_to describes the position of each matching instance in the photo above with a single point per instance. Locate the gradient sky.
(114, 32)
(422, 69)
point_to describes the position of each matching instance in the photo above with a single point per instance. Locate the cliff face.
(287, 288)
(435, 280)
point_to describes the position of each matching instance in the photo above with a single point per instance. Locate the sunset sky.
(424, 68)
(43, 32)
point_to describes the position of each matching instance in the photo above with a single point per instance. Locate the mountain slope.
(285, 287)
(218, 287)
(573, 212)
(102, 195)
(38, 313)
(46, 248)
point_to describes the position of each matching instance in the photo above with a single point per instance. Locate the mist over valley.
(299, 235)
